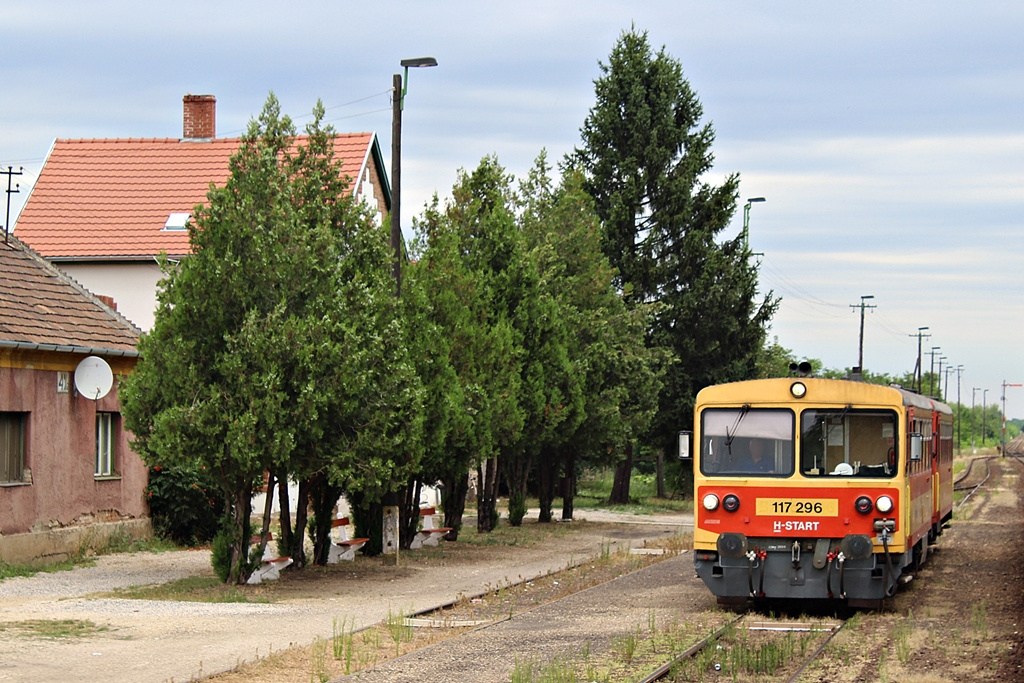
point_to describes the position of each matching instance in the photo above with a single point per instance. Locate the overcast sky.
(887, 138)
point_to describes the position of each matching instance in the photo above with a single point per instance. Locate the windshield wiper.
(736, 425)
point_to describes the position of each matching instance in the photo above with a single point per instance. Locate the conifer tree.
(646, 157)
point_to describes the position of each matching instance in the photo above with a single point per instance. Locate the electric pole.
(917, 369)
(860, 348)
(10, 173)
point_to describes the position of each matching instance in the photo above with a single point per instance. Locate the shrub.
(184, 505)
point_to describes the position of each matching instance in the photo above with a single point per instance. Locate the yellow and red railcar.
(817, 488)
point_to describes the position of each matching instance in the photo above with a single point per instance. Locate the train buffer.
(270, 565)
(343, 548)
(428, 533)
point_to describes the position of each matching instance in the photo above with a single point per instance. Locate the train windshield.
(747, 441)
(848, 442)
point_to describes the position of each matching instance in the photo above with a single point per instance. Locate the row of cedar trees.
(541, 325)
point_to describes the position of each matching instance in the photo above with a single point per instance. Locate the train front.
(798, 491)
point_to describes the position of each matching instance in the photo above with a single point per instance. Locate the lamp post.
(391, 521)
(746, 221)
(400, 85)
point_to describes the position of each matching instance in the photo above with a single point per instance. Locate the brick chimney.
(200, 119)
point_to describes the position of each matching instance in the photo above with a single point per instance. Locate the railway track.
(773, 654)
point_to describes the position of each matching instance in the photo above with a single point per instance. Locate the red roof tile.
(40, 307)
(100, 199)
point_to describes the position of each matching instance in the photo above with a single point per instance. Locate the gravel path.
(156, 641)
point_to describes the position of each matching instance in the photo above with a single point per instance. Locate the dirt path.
(143, 641)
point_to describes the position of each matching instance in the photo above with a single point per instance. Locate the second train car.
(816, 488)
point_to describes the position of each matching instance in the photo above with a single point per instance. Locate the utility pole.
(10, 173)
(1002, 443)
(931, 373)
(959, 408)
(984, 395)
(973, 389)
(860, 347)
(917, 368)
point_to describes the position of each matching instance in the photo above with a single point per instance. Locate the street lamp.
(746, 221)
(391, 516)
(400, 85)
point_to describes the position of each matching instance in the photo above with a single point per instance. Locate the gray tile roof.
(43, 308)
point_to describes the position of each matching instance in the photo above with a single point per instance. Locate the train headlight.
(884, 504)
(731, 503)
(710, 502)
(798, 389)
(863, 505)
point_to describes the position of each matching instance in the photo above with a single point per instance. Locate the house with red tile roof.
(67, 473)
(103, 210)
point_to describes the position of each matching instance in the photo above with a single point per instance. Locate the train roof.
(841, 390)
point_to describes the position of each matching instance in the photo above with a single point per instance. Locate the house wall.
(60, 449)
(132, 285)
(370, 189)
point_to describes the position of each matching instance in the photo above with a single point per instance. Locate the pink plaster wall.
(60, 452)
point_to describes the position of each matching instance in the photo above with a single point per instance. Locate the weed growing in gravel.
(318, 661)
(555, 671)
(901, 637)
(979, 619)
(399, 630)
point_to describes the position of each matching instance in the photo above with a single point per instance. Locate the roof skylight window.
(176, 221)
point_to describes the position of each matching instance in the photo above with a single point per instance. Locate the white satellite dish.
(93, 378)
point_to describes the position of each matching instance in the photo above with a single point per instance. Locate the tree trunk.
(453, 499)
(661, 473)
(487, 501)
(518, 474)
(286, 539)
(240, 569)
(569, 486)
(409, 515)
(623, 472)
(547, 475)
(324, 497)
(298, 552)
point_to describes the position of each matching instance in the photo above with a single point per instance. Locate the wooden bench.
(428, 533)
(344, 548)
(270, 566)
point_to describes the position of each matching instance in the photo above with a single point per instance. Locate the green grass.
(189, 589)
(594, 488)
(52, 628)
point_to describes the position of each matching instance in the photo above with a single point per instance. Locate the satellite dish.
(93, 378)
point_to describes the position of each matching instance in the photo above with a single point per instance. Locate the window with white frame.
(106, 424)
(12, 447)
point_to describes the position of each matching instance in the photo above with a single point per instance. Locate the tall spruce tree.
(645, 156)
